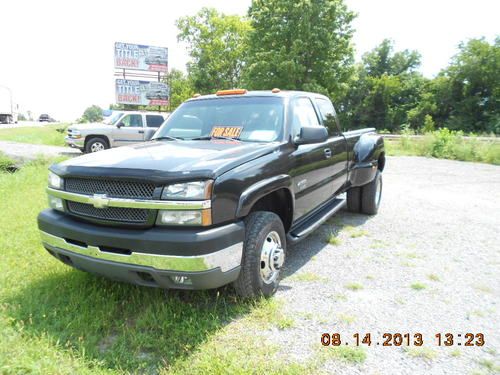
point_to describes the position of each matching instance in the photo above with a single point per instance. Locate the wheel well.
(381, 162)
(280, 202)
(89, 137)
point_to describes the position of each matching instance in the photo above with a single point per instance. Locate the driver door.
(129, 130)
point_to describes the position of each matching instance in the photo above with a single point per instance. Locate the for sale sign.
(130, 91)
(141, 57)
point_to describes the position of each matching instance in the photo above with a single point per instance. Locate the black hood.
(161, 161)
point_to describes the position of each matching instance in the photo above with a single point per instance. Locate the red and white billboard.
(141, 57)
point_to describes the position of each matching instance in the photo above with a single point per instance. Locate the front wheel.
(96, 144)
(263, 255)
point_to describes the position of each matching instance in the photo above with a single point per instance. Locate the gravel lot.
(438, 226)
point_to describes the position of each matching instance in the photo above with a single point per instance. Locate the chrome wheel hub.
(98, 146)
(272, 257)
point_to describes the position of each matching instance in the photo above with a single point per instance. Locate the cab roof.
(261, 93)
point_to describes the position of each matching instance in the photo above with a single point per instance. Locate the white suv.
(123, 128)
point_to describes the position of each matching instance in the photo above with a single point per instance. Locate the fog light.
(174, 217)
(56, 203)
(184, 280)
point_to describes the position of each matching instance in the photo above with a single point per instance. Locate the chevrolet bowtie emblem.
(99, 200)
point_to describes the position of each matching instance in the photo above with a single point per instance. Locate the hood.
(161, 161)
(90, 126)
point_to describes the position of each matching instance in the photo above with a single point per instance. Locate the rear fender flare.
(367, 151)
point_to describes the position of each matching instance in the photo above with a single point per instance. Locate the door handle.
(328, 153)
(141, 131)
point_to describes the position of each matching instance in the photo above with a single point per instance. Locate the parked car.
(123, 128)
(226, 184)
(45, 118)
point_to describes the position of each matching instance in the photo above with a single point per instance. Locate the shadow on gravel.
(121, 326)
(301, 253)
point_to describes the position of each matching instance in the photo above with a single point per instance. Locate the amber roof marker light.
(275, 90)
(231, 92)
(196, 95)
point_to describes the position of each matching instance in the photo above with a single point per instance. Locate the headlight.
(75, 133)
(175, 217)
(196, 190)
(55, 181)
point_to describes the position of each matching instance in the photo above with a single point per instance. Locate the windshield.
(256, 119)
(111, 120)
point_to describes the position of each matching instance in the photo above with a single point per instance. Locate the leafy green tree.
(92, 114)
(300, 44)
(217, 44)
(472, 86)
(181, 88)
(385, 88)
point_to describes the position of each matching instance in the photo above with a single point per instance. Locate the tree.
(181, 88)
(217, 46)
(92, 114)
(384, 90)
(300, 44)
(471, 85)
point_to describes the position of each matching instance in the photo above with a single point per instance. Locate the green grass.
(354, 232)
(332, 239)
(446, 144)
(345, 354)
(421, 352)
(433, 277)
(354, 286)
(307, 277)
(418, 286)
(52, 135)
(57, 320)
(6, 164)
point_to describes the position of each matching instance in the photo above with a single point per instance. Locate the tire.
(371, 194)
(259, 277)
(354, 199)
(96, 144)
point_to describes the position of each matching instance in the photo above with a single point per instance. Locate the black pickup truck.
(227, 183)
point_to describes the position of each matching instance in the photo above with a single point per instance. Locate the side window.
(132, 121)
(154, 121)
(328, 115)
(303, 115)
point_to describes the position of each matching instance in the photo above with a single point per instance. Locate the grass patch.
(433, 277)
(52, 135)
(268, 312)
(490, 365)
(344, 354)
(456, 353)
(307, 277)
(57, 320)
(418, 286)
(332, 239)
(421, 352)
(6, 163)
(346, 318)
(354, 286)
(340, 297)
(446, 144)
(355, 232)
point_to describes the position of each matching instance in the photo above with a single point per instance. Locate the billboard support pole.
(159, 80)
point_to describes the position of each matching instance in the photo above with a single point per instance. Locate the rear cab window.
(154, 121)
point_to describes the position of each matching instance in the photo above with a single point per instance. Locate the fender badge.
(99, 200)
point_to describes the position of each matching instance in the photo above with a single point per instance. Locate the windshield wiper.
(208, 138)
(168, 138)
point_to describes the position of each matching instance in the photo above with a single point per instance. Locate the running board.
(312, 223)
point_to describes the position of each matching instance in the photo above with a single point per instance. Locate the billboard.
(128, 91)
(141, 57)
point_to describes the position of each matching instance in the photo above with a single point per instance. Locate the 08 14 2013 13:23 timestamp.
(403, 339)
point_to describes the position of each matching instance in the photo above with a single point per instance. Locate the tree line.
(307, 45)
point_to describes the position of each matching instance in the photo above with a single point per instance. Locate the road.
(427, 263)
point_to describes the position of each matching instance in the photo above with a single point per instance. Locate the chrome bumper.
(225, 259)
(73, 142)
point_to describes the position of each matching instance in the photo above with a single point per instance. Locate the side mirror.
(120, 124)
(311, 134)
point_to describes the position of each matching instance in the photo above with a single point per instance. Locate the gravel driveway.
(428, 263)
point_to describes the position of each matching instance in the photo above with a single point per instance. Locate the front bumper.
(74, 142)
(167, 258)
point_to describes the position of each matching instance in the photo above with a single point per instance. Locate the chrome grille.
(117, 189)
(117, 214)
